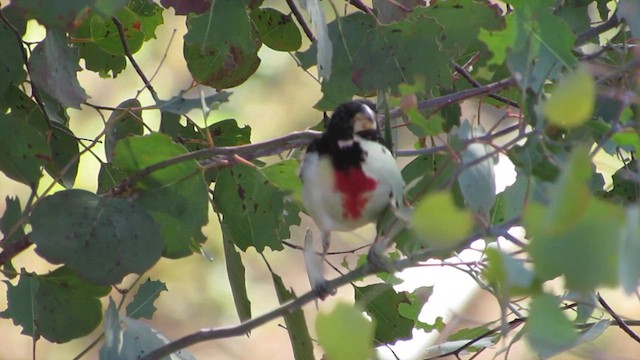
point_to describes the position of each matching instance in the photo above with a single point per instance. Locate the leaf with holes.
(221, 46)
(381, 302)
(22, 151)
(103, 239)
(252, 208)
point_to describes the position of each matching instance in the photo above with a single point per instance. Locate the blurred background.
(278, 99)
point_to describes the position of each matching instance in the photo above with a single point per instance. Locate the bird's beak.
(364, 120)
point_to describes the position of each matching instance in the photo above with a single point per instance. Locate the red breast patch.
(353, 184)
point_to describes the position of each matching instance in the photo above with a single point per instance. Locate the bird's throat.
(354, 185)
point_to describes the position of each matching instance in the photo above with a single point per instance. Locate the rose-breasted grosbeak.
(349, 178)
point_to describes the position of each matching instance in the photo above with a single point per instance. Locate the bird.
(349, 179)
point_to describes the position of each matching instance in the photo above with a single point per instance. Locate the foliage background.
(276, 100)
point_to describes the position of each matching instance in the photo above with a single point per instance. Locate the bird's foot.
(322, 290)
(378, 260)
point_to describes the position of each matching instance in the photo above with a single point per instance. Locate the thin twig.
(352, 251)
(465, 74)
(129, 55)
(301, 21)
(621, 323)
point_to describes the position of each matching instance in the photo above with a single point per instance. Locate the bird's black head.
(352, 117)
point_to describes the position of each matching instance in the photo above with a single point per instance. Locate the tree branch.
(10, 250)
(618, 320)
(360, 6)
(301, 21)
(583, 37)
(218, 156)
(129, 55)
(465, 74)
(359, 272)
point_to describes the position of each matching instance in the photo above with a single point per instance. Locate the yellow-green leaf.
(572, 101)
(433, 216)
(345, 334)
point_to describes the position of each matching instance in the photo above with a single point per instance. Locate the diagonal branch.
(129, 55)
(359, 272)
(301, 21)
(618, 320)
(218, 156)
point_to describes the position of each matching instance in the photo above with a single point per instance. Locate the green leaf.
(11, 63)
(252, 208)
(236, 275)
(21, 305)
(65, 155)
(295, 323)
(22, 149)
(578, 226)
(228, 133)
(344, 333)
(572, 101)
(628, 266)
(464, 42)
(277, 30)
(176, 196)
(108, 8)
(64, 15)
(548, 330)
(11, 216)
(629, 10)
(432, 217)
(96, 59)
(68, 306)
(418, 298)
(181, 105)
(59, 306)
(53, 68)
(103, 239)
(624, 186)
(515, 196)
(591, 239)
(142, 304)
(122, 124)
(150, 15)
(508, 275)
(284, 175)
(477, 182)
(535, 43)
(427, 173)
(105, 33)
(220, 46)
(381, 302)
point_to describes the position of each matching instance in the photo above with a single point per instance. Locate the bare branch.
(583, 37)
(301, 21)
(621, 323)
(465, 74)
